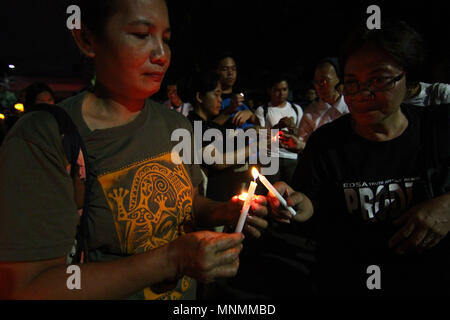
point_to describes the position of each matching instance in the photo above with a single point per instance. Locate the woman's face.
(370, 64)
(133, 55)
(211, 101)
(44, 97)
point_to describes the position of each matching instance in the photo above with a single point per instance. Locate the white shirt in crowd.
(431, 94)
(184, 109)
(273, 116)
(319, 113)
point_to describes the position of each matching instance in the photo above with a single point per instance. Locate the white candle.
(246, 207)
(274, 191)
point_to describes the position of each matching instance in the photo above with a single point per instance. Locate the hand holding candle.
(246, 206)
(274, 191)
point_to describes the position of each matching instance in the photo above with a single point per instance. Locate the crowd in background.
(320, 124)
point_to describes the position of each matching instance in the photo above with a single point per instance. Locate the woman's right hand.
(291, 142)
(205, 255)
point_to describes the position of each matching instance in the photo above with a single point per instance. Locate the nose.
(160, 54)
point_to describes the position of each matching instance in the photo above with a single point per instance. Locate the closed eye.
(141, 36)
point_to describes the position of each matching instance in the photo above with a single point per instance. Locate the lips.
(155, 75)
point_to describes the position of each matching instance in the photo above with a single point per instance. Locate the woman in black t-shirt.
(361, 176)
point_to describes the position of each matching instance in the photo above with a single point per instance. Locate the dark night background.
(287, 35)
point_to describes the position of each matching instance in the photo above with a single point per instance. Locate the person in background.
(143, 206)
(174, 102)
(310, 96)
(37, 93)
(284, 115)
(223, 181)
(425, 94)
(235, 114)
(331, 104)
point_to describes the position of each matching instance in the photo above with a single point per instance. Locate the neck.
(227, 90)
(281, 105)
(389, 128)
(103, 109)
(335, 98)
(199, 111)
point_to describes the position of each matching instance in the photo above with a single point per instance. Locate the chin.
(367, 118)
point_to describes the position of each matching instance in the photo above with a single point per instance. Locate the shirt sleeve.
(38, 214)
(306, 127)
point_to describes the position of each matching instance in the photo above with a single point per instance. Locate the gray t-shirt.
(140, 200)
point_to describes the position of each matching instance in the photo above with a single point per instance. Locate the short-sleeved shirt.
(358, 188)
(319, 113)
(274, 115)
(431, 94)
(226, 101)
(140, 198)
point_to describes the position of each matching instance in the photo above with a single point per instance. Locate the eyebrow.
(146, 23)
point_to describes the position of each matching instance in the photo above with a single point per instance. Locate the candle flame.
(255, 173)
(243, 196)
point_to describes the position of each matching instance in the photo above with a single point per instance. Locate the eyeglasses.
(377, 84)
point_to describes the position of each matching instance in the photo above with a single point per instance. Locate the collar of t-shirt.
(287, 105)
(341, 106)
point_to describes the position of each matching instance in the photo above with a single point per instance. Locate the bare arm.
(103, 280)
(201, 255)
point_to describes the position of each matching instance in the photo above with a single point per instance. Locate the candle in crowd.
(274, 191)
(248, 200)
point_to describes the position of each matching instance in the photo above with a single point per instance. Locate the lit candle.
(246, 206)
(274, 191)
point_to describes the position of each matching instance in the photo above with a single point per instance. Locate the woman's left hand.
(255, 221)
(424, 225)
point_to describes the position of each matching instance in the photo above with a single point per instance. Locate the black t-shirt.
(358, 187)
(223, 184)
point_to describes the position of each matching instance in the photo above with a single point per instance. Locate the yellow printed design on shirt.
(151, 202)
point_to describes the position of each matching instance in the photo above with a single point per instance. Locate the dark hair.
(275, 78)
(400, 41)
(333, 61)
(219, 56)
(95, 13)
(33, 90)
(201, 82)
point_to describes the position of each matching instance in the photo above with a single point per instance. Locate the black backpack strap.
(295, 110)
(73, 144)
(265, 110)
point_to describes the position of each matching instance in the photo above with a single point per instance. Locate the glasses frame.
(367, 85)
